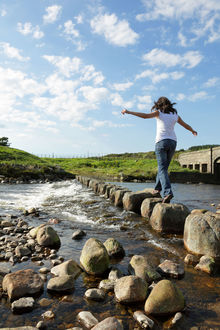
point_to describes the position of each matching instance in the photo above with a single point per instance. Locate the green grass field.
(139, 165)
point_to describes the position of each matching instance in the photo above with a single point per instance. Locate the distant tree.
(205, 146)
(4, 142)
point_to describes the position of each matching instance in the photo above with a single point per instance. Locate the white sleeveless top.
(165, 126)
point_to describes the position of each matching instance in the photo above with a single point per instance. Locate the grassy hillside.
(15, 163)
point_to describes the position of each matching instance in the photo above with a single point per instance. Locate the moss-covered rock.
(165, 298)
(94, 257)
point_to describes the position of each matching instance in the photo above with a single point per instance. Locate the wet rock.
(107, 191)
(171, 269)
(198, 211)
(22, 283)
(110, 323)
(114, 248)
(69, 267)
(190, 259)
(206, 264)
(176, 318)
(130, 289)
(41, 325)
(114, 274)
(148, 205)
(44, 302)
(119, 194)
(61, 283)
(140, 266)
(44, 270)
(144, 321)
(6, 223)
(164, 299)
(107, 285)
(132, 200)
(102, 188)
(20, 328)
(48, 315)
(47, 236)
(202, 234)
(4, 270)
(33, 231)
(56, 262)
(21, 251)
(23, 305)
(169, 218)
(78, 234)
(94, 257)
(95, 294)
(87, 319)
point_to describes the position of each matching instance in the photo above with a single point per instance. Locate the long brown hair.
(164, 105)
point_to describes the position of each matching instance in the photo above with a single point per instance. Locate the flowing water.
(79, 208)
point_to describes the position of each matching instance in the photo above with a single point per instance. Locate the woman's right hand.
(124, 111)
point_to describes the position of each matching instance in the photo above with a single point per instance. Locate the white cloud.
(53, 13)
(66, 65)
(211, 82)
(72, 66)
(198, 96)
(79, 19)
(27, 28)
(72, 34)
(180, 97)
(158, 57)
(3, 13)
(116, 32)
(203, 15)
(12, 52)
(69, 28)
(158, 77)
(93, 94)
(118, 101)
(122, 86)
(144, 102)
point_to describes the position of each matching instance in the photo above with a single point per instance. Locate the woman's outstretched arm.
(141, 114)
(186, 126)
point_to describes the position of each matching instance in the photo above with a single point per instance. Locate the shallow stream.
(78, 207)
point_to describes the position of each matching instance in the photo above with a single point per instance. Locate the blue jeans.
(164, 151)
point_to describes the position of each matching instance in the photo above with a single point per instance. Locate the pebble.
(95, 294)
(49, 315)
(41, 325)
(87, 319)
(44, 270)
(144, 321)
(107, 285)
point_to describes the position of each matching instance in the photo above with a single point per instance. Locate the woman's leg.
(164, 152)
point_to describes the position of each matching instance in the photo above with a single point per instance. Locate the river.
(79, 208)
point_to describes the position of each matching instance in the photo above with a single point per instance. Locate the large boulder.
(130, 289)
(165, 298)
(132, 200)
(22, 283)
(148, 205)
(202, 234)
(169, 218)
(47, 236)
(114, 248)
(119, 194)
(69, 267)
(140, 266)
(94, 257)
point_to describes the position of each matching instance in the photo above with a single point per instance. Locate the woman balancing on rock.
(166, 117)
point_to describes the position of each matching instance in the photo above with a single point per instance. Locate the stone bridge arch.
(217, 168)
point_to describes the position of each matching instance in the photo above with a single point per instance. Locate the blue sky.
(67, 68)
